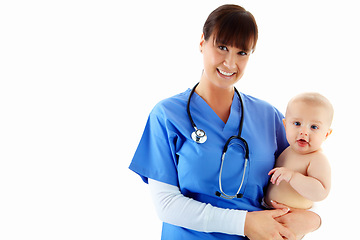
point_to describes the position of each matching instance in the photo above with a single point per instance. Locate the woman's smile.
(227, 74)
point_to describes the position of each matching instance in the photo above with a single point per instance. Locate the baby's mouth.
(302, 142)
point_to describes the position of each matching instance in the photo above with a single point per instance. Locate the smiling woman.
(185, 175)
(228, 44)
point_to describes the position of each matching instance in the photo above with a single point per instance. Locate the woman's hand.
(262, 225)
(299, 221)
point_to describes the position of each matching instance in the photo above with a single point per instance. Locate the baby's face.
(307, 126)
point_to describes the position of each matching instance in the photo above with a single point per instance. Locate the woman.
(197, 191)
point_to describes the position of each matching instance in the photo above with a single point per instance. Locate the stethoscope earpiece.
(199, 136)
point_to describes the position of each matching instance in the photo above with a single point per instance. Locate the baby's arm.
(315, 186)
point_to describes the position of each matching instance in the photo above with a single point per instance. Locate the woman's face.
(224, 65)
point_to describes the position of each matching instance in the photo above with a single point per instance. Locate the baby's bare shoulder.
(318, 157)
(319, 164)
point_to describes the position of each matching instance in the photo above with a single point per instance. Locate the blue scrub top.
(167, 153)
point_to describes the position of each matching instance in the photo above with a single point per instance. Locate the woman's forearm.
(174, 208)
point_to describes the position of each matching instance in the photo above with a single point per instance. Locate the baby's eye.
(314, 127)
(297, 123)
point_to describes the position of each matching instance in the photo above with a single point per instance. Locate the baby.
(302, 173)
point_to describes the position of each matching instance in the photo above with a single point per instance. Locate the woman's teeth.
(225, 73)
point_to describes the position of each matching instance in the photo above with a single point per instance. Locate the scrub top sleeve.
(281, 141)
(155, 156)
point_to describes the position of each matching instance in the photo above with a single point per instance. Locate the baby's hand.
(279, 174)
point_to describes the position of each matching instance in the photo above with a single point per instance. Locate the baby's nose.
(304, 132)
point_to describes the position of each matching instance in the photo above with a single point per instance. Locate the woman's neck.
(219, 99)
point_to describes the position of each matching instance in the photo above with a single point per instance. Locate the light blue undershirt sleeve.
(174, 208)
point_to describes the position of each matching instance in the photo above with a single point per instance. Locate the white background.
(79, 78)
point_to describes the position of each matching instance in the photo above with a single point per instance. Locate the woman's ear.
(202, 40)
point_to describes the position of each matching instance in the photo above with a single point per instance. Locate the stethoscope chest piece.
(199, 136)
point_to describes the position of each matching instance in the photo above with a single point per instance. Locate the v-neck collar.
(233, 122)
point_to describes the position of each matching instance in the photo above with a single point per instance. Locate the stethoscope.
(199, 136)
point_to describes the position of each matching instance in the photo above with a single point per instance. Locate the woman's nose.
(230, 62)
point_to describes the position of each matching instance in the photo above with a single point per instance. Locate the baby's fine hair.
(314, 98)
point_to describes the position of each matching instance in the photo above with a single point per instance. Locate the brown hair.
(232, 25)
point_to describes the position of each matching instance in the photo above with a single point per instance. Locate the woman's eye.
(314, 127)
(242, 53)
(224, 48)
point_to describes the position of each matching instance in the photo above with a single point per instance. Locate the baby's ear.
(284, 122)
(328, 133)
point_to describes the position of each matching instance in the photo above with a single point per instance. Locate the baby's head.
(307, 122)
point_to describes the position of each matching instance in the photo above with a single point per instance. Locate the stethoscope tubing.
(199, 136)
